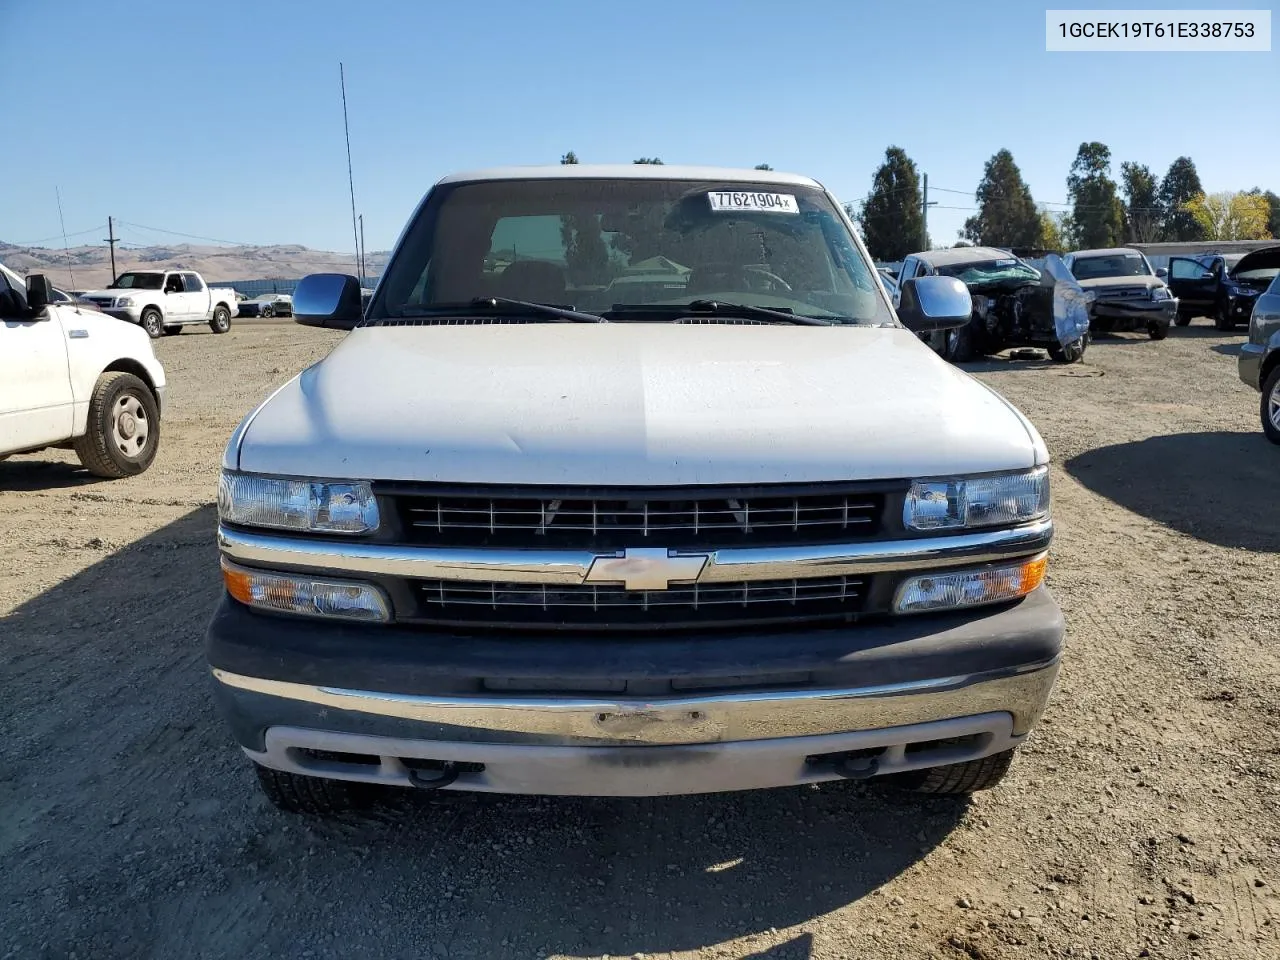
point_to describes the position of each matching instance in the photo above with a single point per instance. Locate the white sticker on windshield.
(753, 202)
(1005, 263)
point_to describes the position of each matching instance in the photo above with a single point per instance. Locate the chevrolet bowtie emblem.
(646, 568)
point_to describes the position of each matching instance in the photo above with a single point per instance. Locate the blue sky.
(223, 119)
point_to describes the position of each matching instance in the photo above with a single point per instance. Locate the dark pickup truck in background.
(1222, 286)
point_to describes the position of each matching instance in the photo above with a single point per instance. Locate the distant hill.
(91, 265)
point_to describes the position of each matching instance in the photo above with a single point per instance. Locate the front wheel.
(1271, 405)
(1222, 318)
(1183, 318)
(123, 429)
(960, 345)
(152, 322)
(266, 313)
(1073, 352)
(316, 796)
(968, 777)
(1158, 329)
(221, 321)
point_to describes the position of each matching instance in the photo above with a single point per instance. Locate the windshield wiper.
(488, 305)
(749, 312)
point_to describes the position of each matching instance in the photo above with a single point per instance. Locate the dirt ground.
(1142, 819)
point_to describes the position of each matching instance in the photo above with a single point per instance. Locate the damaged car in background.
(1128, 293)
(1014, 304)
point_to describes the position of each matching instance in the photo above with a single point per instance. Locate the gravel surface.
(1142, 819)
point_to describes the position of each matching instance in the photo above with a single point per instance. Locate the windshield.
(138, 281)
(989, 271)
(602, 245)
(1261, 273)
(1112, 265)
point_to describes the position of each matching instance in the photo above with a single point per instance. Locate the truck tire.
(316, 796)
(123, 430)
(221, 321)
(1270, 408)
(1183, 318)
(152, 322)
(1222, 319)
(1158, 329)
(960, 344)
(1073, 352)
(968, 777)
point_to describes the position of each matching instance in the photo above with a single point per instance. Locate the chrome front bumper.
(637, 747)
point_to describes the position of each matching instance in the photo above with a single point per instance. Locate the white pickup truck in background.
(163, 301)
(71, 377)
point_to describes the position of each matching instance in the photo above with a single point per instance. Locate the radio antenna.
(355, 233)
(65, 246)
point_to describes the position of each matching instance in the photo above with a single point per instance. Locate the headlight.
(1161, 293)
(124, 301)
(999, 500)
(319, 506)
(1239, 292)
(301, 594)
(970, 588)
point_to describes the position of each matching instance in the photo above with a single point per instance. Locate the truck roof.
(939, 258)
(1106, 252)
(630, 171)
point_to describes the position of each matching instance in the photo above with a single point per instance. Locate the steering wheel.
(774, 284)
(754, 279)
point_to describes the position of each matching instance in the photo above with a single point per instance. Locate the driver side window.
(1180, 269)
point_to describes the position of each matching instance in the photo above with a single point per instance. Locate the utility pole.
(112, 239)
(924, 214)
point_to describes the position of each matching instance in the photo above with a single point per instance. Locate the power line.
(188, 236)
(60, 236)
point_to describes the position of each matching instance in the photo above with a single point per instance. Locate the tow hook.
(855, 768)
(446, 776)
(860, 768)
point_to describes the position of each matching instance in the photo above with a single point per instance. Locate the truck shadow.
(1227, 349)
(22, 473)
(123, 778)
(1215, 486)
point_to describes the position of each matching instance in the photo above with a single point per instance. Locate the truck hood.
(1257, 260)
(634, 404)
(122, 292)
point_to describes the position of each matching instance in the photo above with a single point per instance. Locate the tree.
(1141, 202)
(1097, 216)
(650, 160)
(569, 157)
(1231, 216)
(1180, 186)
(1273, 210)
(763, 166)
(892, 219)
(1007, 215)
(1050, 233)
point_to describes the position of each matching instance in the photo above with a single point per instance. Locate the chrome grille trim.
(571, 566)
(446, 593)
(702, 518)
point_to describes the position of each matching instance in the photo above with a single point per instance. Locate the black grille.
(589, 605)
(676, 519)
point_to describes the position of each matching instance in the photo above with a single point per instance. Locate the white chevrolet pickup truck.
(71, 377)
(540, 525)
(164, 301)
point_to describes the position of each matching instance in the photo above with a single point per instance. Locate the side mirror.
(1162, 273)
(327, 300)
(927, 304)
(39, 293)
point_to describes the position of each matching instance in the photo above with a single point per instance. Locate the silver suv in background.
(1259, 362)
(1128, 293)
